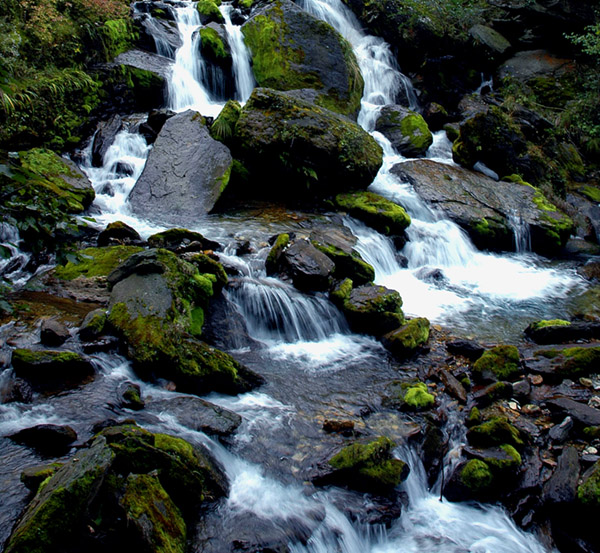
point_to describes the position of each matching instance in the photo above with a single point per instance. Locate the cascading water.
(244, 78)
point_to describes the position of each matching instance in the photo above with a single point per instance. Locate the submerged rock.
(293, 50)
(186, 172)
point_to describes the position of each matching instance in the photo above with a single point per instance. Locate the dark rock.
(433, 449)
(154, 124)
(453, 386)
(484, 207)
(118, 233)
(522, 389)
(186, 172)
(531, 64)
(130, 396)
(467, 348)
(374, 309)
(53, 332)
(561, 487)
(561, 333)
(488, 395)
(142, 263)
(47, 438)
(303, 53)
(198, 414)
(559, 433)
(580, 413)
(492, 40)
(158, 30)
(17, 390)
(180, 240)
(309, 268)
(405, 129)
(145, 61)
(104, 137)
(314, 151)
(339, 427)
(33, 476)
(408, 339)
(92, 325)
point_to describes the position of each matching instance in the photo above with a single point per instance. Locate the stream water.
(315, 368)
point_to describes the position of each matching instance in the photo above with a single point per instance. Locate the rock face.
(292, 50)
(310, 269)
(311, 149)
(406, 130)
(484, 207)
(186, 172)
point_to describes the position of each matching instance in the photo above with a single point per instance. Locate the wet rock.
(374, 309)
(153, 125)
(496, 431)
(408, 339)
(130, 396)
(481, 205)
(181, 240)
(453, 387)
(53, 332)
(433, 449)
(51, 368)
(47, 438)
(559, 433)
(158, 28)
(405, 129)
(33, 476)
(411, 395)
(104, 137)
(492, 40)
(488, 395)
(561, 487)
(303, 53)
(92, 325)
(467, 348)
(200, 415)
(530, 64)
(504, 459)
(522, 389)
(309, 268)
(581, 413)
(186, 172)
(17, 390)
(498, 363)
(339, 427)
(314, 151)
(118, 233)
(558, 331)
(145, 61)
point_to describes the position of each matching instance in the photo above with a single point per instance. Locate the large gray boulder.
(312, 150)
(292, 50)
(485, 208)
(186, 172)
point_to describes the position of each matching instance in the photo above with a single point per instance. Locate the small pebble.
(513, 405)
(530, 409)
(536, 380)
(594, 402)
(587, 382)
(590, 450)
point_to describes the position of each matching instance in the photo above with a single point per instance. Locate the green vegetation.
(382, 214)
(92, 262)
(406, 340)
(496, 431)
(341, 292)
(209, 11)
(281, 243)
(589, 490)
(573, 362)
(503, 362)
(476, 475)
(548, 323)
(223, 127)
(213, 47)
(417, 397)
(347, 265)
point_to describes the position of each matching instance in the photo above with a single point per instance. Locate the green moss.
(501, 361)
(372, 462)
(212, 46)
(93, 262)
(382, 214)
(503, 465)
(224, 125)
(39, 476)
(406, 340)
(476, 475)
(174, 237)
(496, 431)
(152, 514)
(591, 192)
(246, 4)
(474, 417)
(418, 398)
(209, 11)
(208, 266)
(415, 127)
(591, 433)
(341, 292)
(347, 265)
(546, 323)
(588, 491)
(118, 36)
(21, 356)
(281, 243)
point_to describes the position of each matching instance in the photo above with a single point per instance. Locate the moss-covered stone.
(292, 50)
(347, 265)
(378, 212)
(51, 367)
(374, 309)
(34, 476)
(476, 476)
(341, 292)
(407, 130)
(370, 466)
(501, 362)
(588, 492)
(417, 397)
(209, 266)
(223, 126)
(272, 262)
(496, 431)
(174, 238)
(546, 323)
(94, 262)
(209, 11)
(406, 340)
(213, 48)
(510, 463)
(474, 417)
(573, 362)
(152, 515)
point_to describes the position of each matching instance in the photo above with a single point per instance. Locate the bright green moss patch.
(474, 417)
(503, 362)
(281, 243)
(377, 211)
(546, 323)
(496, 431)
(223, 127)
(347, 265)
(417, 397)
(176, 446)
(407, 339)
(21, 356)
(476, 475)
(341, 292)
(92, 262)
(415, 127)
(212, 46)
(588, 492)
(591, 192)
(209, 11)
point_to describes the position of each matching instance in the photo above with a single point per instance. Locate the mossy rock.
(314, 151)
(370, 466)
(416, 397)
(340, 292)
(209, 11)
(408, 339)
(223, 127)
(177, 238)
(292, 50)
(51, 368)
(496, 431)
(499, 363)
(376, 211)
(374, 309)
(152, 516)
(213, 48)
(476, 476)
(588, 491)
(573, 362)
(95, 262)
(34, 476)
(273, 258)
(347, 265)
(209, 266)
(407, 130)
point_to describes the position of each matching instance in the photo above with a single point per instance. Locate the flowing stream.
(314, 366)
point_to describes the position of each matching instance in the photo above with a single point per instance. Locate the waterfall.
(244, 78)
(13, 261)
(521, 233)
